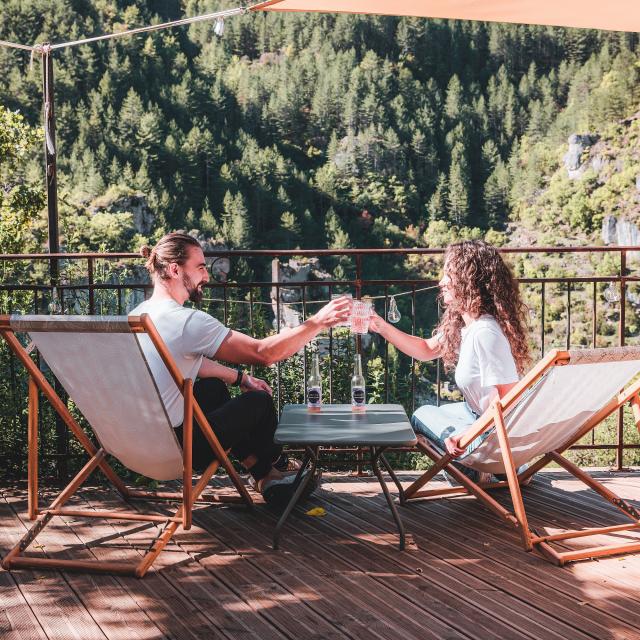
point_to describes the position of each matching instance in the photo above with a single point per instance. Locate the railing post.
(359, 454)
(621, 342)
(50, 159)
(92, 303)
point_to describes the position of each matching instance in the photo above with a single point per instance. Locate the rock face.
(573, 158)
(622, 233)
(144, 218)
(290, 297)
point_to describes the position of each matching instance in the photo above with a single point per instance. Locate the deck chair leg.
(187, 453)
(512, 477)
(163, 539)
(440, 462)
(474, 489)
(635, 407)
(32, 464)
(66, 493)
(629, 510)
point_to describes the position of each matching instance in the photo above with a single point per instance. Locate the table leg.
(311, 455)
(375, 454)
(393, 476)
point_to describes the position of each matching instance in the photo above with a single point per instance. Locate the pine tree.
(459, 196)
(438, 207)
(454, 100)
(496, 195)
(130, 117)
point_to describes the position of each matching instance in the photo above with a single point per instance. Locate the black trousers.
(245, 424)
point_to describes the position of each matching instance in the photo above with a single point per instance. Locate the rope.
(38, 48)
(269, 304)
(46, 53)
(155, 27)
(14, 45)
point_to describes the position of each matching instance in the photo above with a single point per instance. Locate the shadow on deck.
(463, 574)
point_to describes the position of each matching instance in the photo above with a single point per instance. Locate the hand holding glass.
(347, 322)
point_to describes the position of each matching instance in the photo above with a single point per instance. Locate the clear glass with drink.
(346, 323)
(360, 316)
(358, 391)
(314, 386)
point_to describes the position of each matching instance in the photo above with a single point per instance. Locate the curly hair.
(481, 283)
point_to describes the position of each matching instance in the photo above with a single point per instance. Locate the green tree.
(21, 198)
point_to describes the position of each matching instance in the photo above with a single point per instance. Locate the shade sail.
(613, 15)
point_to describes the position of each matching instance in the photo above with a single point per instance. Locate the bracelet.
(238, 380)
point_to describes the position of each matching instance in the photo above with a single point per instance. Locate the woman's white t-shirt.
(485, 361)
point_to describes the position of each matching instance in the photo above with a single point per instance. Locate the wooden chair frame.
(518, 518)
(188, 497)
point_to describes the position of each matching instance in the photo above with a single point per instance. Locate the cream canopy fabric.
(613, 15)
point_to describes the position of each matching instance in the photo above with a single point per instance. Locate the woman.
(482, 335)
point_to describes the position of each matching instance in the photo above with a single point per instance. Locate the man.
(245, 424)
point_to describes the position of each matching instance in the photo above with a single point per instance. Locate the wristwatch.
(238, 380)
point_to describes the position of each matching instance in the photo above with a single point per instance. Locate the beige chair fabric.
(100, 364)
(555, 408)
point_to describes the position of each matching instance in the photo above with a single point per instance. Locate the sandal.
(286, 464)
(279, 492)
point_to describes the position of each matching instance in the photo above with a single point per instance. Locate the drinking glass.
(360, 316)
(346, 323)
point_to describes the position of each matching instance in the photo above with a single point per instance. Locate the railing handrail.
(325, 252)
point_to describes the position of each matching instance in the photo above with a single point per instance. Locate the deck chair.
(559, 401)
(99, 362)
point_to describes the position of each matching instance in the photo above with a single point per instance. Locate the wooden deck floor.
(337, 577)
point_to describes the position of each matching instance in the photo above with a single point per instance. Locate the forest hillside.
(416, 131)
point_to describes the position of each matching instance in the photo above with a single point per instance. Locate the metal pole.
(51, 178)
(50, 159)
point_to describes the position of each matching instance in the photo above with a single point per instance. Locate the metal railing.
(93, 283)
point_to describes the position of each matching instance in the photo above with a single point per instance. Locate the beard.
(194, 291)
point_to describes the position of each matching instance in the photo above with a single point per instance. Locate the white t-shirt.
(189, 335)
(485, 361)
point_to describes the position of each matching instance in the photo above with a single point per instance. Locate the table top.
(336, 424)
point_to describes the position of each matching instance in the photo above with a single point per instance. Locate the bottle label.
(314, 396)
(357, 396)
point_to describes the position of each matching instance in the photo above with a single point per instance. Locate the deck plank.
(17, 620)
(495, 599)
(504, 564)
(464, 574)
(195, 601)
(56, 605)
(342, 593)
(534, 575)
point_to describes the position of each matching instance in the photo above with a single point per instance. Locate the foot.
(526, 481)
(285, 464)
(278, 492)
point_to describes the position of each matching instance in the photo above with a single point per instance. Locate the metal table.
(379, 427)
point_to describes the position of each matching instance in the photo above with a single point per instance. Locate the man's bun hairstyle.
(174, 247)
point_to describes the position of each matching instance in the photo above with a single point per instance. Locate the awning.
(613, 15)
